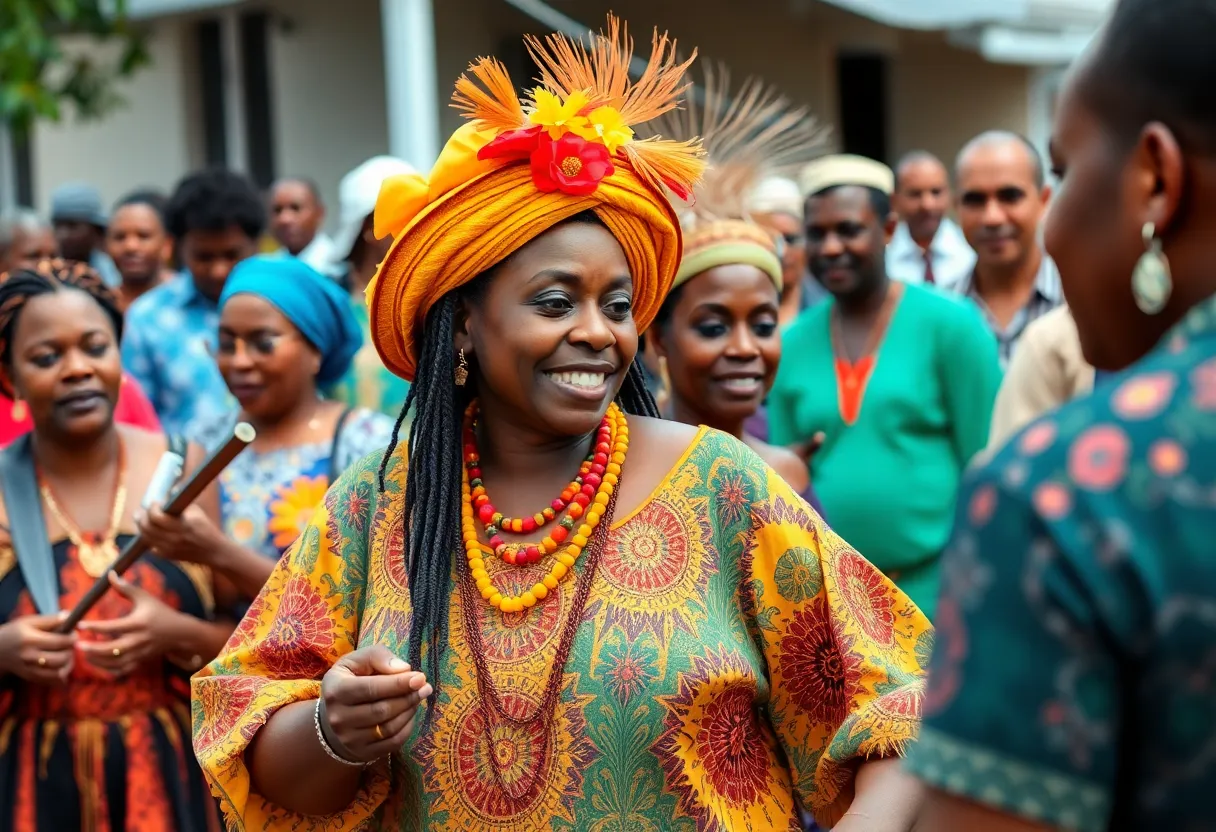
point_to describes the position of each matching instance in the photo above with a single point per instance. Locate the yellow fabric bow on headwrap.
(521, 167)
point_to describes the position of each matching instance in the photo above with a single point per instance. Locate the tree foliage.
(38, 75)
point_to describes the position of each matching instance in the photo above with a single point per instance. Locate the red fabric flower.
(570, 164)
(512, 144)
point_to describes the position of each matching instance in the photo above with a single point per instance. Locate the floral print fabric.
(1072, 682)
(735, 656)
(268, 498)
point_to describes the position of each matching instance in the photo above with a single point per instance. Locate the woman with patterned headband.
(92, 724)
(570, 614)
(717, 332)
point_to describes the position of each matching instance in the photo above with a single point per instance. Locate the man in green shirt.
(899, 379)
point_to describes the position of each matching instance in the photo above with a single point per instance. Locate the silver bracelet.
(325, 746)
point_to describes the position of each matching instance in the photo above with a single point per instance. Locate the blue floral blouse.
(267, 499)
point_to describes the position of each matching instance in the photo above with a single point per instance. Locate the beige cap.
(776, 195)
(845, 169)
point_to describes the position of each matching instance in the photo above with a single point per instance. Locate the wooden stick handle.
(242, 435)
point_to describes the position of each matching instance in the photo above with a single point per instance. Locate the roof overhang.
(1025, 32)
(144, 9)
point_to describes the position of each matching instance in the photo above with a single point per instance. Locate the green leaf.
(35, 77)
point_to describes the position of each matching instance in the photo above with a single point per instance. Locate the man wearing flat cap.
(80, 228)
(899, 379)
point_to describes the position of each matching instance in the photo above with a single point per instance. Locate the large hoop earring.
(1152, 283)
(462, 369)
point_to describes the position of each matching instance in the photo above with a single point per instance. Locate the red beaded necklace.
(576, 497)
(584, 499)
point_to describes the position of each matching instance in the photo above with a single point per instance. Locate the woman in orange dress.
(93, 725)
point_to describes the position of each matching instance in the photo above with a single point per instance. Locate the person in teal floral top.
(1072, 684)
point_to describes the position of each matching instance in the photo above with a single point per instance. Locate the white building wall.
(327, 89)
(145, 143)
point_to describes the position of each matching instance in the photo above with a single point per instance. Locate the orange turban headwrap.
(513, 173)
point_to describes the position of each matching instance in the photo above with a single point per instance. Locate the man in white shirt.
(296, 217)
(928, 247)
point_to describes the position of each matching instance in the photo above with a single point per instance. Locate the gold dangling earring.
(1152, 284)
(462, 369)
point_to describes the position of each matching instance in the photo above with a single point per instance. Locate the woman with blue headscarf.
(286, 332)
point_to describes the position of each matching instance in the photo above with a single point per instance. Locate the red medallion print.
(650, 552)
(299, 636)
(515, 753)
(222, 704)
(867, 597)
(516, 636)
(730, 742)
(822, 673)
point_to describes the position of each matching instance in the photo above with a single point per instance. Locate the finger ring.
(116, 652)
(42, 661)
(379, 733)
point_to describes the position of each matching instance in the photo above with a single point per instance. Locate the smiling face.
(268, 366)
(65, 364)
(721, 344)
(1000, 203)
(551, 335)
(845, 242)
(137, 243)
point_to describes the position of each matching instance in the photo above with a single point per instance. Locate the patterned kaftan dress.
(734, 656)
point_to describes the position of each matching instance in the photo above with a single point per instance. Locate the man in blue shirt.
(216, 217)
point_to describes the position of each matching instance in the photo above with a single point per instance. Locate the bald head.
(1007, 144)
(1001, 200)
(922, 194)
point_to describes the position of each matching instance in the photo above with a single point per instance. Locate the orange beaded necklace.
(612, 443)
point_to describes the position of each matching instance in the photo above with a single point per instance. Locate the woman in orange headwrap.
(622, 621)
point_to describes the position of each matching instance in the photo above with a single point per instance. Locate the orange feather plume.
(494, 104)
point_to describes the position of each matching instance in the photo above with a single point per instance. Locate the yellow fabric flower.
(605, 124)
(558, 118)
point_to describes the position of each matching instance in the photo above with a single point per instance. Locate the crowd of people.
(882, 492)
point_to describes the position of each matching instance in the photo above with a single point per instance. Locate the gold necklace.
(95, 558)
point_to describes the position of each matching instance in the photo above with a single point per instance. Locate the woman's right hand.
(369, 689)
(30, 649)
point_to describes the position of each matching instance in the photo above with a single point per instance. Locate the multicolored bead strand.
(612, 444)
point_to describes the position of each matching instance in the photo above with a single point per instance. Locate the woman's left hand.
(151, 630)
(191, 537)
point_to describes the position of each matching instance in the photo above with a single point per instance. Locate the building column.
(410, 80)
(234, 92)
(8, 170)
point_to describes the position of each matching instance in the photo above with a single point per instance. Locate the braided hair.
(432, 493)
(19, 286)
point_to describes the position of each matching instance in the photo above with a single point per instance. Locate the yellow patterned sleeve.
(306, 617)
(845, 649)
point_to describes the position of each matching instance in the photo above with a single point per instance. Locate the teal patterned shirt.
(1073, 680)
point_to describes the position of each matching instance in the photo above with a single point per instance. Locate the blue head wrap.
(315, 304)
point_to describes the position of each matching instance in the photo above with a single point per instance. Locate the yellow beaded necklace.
(563, 559)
